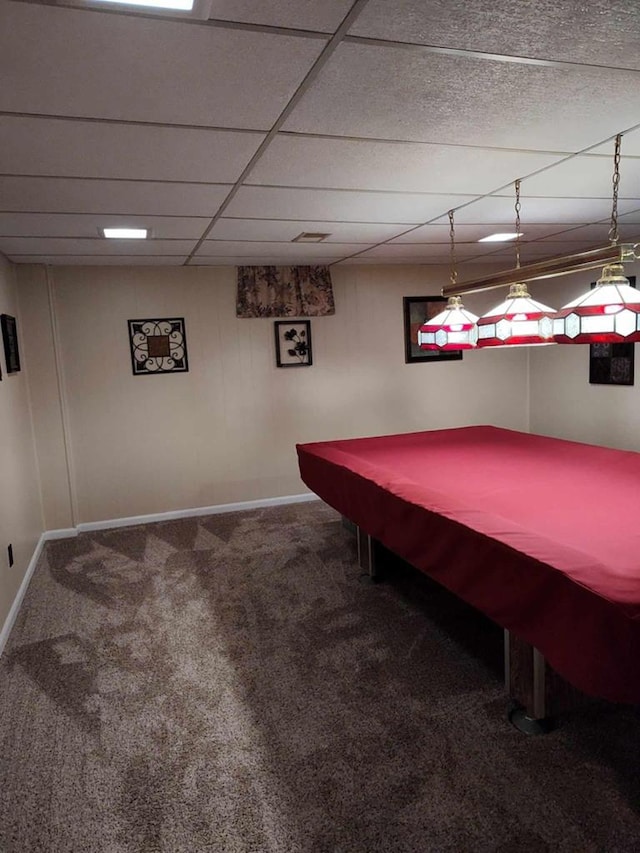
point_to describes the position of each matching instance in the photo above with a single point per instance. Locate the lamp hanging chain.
(613, 231)
(453, 275)
(518, 224)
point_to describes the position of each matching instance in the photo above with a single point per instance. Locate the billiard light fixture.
(607, 313)
(454, 328)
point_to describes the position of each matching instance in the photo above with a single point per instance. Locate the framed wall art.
(612, 364)
(416, 310)
(293, 343)
(10, 342)
(158, 346)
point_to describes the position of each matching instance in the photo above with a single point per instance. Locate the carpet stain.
(64, 669)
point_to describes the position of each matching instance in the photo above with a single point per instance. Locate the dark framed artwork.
(158, 346)
(293, 343)
(10, 341)
(417, 310)
(612, 364)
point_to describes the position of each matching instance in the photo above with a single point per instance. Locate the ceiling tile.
(66, 61)
(225, 248)
(101, 260)
(473, 232)
(580, 210)
(385, 92)
(79, 225)
(568, 178)
(555, 248)
(630, 218)
(61, 246)
(538, 251)
(342, 206)
(297, 14)
(407, 167)
(260, 261)
(592, 31)
(598, 233)
(286, 230)
(91, 149)
(630, 146)
(428, 129)
(421, 251)
(57, 195)
(364, 260)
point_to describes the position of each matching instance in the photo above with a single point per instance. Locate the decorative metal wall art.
(293, 343)
(158, 346)
(10, 341)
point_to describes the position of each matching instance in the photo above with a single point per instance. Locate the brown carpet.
(227, 684)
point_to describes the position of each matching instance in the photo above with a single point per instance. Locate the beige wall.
(20, 510)
(227, 430)
(563, 403)
(112, 445)
(38, 328)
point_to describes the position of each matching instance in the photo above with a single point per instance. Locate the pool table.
(541, 534)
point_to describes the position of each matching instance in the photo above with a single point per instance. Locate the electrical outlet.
(10, 553)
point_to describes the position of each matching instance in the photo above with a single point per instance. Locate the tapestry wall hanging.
(284, 292)
(158, 346)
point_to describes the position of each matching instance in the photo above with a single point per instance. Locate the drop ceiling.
(231, 132)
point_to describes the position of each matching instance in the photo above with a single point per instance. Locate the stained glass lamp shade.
(518, 321)
(452, 329)
(609, 313)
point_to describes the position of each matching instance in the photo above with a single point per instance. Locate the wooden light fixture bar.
(549, 268)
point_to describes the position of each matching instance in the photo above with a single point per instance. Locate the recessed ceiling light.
(182, 5)
(499, 238)
(125, 233)
(310, 237)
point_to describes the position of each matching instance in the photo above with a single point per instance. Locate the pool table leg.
(540, 693)
(367, 554)
(525, 679)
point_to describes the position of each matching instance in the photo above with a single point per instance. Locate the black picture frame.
(10, 342)
(158, 346)
(612, 364)
(293, 343)
(415, 311)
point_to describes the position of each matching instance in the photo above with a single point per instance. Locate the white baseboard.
(70, 532)
(17, 601)
(61, 533)
(196, 511)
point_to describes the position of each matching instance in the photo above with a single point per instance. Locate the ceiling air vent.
(310, 237)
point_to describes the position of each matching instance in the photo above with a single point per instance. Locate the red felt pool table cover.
(541, 534)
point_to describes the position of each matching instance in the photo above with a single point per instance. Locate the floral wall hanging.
(293, 343)
(284, 292)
